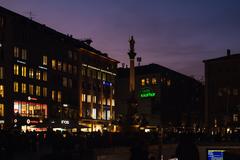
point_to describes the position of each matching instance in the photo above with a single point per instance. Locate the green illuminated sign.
(147, 93)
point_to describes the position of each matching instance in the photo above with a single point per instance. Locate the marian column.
(132, 55)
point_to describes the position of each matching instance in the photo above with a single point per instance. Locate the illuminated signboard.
(105, 83)
(215, 154)
(145, 93)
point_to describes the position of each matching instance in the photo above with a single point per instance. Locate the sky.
(178, 34)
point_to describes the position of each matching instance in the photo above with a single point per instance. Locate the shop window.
(53, 95)
(31, 73)
(1, 91)
(38, 90)
(45, 60)
(38, 75)
(142, 82)
(59, 96)
(31, 89)
(1, 73)
(1, 110)
(154, 81)
(59, 65)
(16, 52)
(44, 76)
(44, 91)
(24, 88)
(24, 71)
(15, 86)
(16, 69)
(104, 76)
(24, 54)
(54, 64)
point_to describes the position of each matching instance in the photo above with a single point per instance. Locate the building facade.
(165, 98)
(47, 77)
(222, 102)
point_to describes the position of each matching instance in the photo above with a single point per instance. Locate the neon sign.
(145, 93)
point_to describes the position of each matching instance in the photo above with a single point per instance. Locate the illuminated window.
(147, 80)
(24, 88)
(1, 72)
(104, 76)
(89, 98)
(64, 82)
(59, 96)
(31, 89)
(31, 73)
(1, 91)
(44, 91)
(104, 101)
(84, 97)
(64, 67)
(94, 113)
(1, 110)
(94, 99)
(16, 69)
(169, 82)
(24, 54)
(108, 102)
(69, 68)
(53, 95)
(113, 102)
(16, 52)
(54, 64)
(24, 71)
(15, 86)
(142, 82)
(108, 114)
(38, 75)
(235, 117)
(59, 65)
(45, 59)
(38, 90)
(45, 76)
(75, 70)
(154, 81)
(113, 91)
(99, 75)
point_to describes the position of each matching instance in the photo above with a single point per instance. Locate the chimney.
(228, 52)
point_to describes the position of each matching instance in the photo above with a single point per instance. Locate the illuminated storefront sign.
(1, 121)
(105, 83)
(147, 93)
(65, 122)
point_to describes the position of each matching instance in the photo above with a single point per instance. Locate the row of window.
(67, 82)
(89, 98)
(20, 53)
(58, 65)
(38, 74)
(97, 113)
(153, 81)
(96, 74)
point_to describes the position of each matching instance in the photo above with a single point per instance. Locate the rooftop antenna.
(30, 15)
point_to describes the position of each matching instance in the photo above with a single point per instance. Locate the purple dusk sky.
(177, 34)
